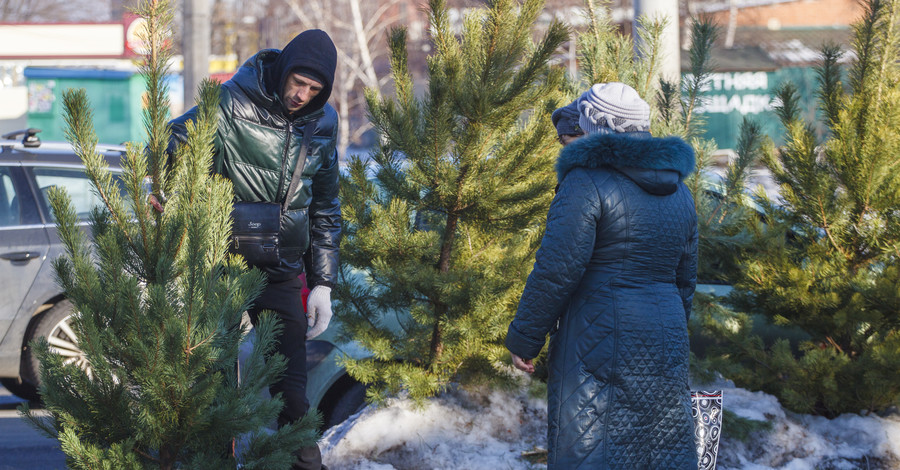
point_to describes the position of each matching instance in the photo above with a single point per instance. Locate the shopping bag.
(706, 407)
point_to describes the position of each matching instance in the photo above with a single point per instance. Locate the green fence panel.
(729, 97)
(115, 98)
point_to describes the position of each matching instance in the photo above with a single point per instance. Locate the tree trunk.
(447, 245)
(343, 102)
(359, 31)
(440, 310)
(166, 457)
(437, 333)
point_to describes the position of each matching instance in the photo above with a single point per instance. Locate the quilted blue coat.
(612, 284)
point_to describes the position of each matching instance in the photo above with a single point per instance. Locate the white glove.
(318, 311)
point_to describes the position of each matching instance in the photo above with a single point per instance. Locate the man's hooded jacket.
(258, 142)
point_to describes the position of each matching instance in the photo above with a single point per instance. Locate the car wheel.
(350, 402)
(55, 325)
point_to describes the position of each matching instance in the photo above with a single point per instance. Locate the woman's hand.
(525, 365)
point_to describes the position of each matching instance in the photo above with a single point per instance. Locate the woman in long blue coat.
(612, 284)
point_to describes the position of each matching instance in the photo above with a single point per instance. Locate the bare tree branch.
(359, 41)
(370, 79)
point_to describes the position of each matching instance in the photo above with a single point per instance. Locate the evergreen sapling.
(823, 266)
(158, 304)
(442, 224)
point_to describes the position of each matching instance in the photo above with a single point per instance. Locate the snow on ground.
(801, 442)
(491, 431)
(459, 430)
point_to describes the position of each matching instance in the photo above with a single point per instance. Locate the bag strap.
(301, 162)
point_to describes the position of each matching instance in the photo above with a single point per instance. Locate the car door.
(75, 182)
(24, 242)
(42, 292)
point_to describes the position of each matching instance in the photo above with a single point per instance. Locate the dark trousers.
(284, 298)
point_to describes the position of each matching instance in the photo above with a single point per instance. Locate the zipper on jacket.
(287, 146)
(284, 156)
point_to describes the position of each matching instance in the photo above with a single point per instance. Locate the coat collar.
(627, 150)
(251, 78)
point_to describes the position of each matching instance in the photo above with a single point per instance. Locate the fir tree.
(825, 262)
(441, 230)
(158, 303)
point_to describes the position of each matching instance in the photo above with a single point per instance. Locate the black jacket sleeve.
(179, 132)
(321, 258)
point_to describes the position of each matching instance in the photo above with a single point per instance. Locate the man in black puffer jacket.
(263, 111)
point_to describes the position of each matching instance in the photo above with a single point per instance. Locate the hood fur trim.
(627, 151)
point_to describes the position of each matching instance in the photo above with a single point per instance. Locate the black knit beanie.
(313, 55)
(566, 119)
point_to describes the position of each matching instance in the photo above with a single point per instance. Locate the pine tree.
(441, 230)
(158, 303)
(824, 264)
(605, 55)
(722, 203)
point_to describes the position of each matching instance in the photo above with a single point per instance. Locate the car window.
(9, 203)
(75, 182)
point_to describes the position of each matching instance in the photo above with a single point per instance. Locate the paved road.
(21, 446)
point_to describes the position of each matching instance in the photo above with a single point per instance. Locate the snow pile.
(457, 430)
(491, 431)
(800, 442)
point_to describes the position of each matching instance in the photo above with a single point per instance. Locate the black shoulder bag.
(256, 233)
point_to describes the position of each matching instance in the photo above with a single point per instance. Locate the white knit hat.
(615, 106)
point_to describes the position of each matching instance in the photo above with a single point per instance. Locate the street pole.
(197, 19)
(670, 65)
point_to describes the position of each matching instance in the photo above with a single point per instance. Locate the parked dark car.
(32, 305)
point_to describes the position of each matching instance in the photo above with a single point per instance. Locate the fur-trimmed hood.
(630, 153)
